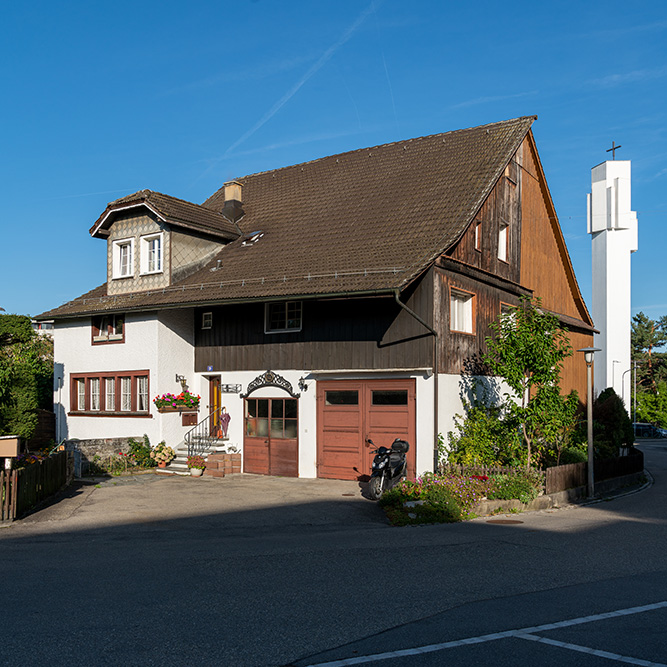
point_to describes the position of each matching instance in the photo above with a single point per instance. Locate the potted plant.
(162, 454)
(196, 465)
(177, 402)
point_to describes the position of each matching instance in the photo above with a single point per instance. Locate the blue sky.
(101, 100)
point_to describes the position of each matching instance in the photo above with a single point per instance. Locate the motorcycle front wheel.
(375, 486)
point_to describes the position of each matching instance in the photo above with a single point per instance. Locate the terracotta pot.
(162, 464)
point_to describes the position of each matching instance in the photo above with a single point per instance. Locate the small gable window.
(151, 253)
(123, 258)
(108, 328)
(478, 236)
(461, 311)
(502, 242)
(282, 316)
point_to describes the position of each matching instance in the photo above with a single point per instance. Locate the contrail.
(326, 56)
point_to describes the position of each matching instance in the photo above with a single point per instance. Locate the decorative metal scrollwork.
(270, 379)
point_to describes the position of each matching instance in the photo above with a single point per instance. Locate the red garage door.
(349, 412)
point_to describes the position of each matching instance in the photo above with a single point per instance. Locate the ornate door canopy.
(270, 379)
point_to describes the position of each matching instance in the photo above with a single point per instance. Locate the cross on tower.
(613, 150)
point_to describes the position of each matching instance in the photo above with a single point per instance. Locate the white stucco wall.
(162, 344)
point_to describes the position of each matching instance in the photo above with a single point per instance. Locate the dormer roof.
(176, 212)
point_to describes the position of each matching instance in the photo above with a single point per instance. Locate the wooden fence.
(23, 489)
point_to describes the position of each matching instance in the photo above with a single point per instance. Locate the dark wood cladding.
(501, 207)
(345, 333)
(458, 350)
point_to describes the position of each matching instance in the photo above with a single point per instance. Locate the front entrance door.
(349, 412)
(215, 403)
(270, 445)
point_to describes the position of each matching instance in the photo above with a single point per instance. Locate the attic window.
(108, 328)
(252, 238)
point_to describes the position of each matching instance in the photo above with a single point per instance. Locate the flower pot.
(162, 464)
(196, 472)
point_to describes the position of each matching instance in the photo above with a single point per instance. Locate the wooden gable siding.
(345, 333)
(501, 207)
(459, 351)
(545, 263)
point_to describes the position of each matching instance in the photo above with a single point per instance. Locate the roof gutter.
(434, 333)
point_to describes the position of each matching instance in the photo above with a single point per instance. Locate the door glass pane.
(291, 428)
(390, 397)
(290, 408)
(262, 427)
(276, 428)
(262, 407)
(342, 397)
(276, 408)
(251, 407)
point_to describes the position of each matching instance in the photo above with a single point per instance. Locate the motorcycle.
(389, 467)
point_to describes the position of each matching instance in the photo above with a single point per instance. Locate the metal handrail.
(198, 438)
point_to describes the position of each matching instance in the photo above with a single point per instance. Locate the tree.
(26, 375)
(528, 351)
(647, 336)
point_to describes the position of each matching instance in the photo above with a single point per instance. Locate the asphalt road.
(299, 572)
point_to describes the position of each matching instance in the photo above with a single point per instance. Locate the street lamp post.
(589, 353)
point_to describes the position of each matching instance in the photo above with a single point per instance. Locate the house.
(321, 305)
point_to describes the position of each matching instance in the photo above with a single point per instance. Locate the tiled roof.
(366, 221)
(177, 212)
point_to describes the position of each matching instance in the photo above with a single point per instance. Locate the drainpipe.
(435, 375)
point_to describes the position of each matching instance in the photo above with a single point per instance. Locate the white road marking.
(591, 651)
(524, 633)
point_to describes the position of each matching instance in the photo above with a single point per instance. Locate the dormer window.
(108, 328)
(151, 253)
(123, 258)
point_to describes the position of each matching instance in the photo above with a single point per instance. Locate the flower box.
(178, 408)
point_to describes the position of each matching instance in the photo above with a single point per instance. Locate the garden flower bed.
(449, 497)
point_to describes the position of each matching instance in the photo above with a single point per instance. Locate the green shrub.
(612, 427)
(573, 455)
(140, 451)
(525, 486)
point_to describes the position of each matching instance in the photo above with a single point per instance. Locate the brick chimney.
(233, 207)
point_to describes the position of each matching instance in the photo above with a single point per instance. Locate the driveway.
(240, 503)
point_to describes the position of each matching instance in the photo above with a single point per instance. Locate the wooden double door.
(350, 412)
(271, 444)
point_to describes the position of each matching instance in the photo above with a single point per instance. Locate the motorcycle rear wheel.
(376, 486)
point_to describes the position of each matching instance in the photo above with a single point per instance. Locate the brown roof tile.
(370, 220)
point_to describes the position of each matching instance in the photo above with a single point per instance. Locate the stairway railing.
(200, 438)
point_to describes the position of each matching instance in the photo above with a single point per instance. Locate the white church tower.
(613, 227)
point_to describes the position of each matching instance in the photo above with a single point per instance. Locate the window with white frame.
(206, 320)
(502, 242)
(94, 393)
(151, 253)
(461, 311)
(120, 394)
(126, 394)
(282, 316)
(123, 258)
